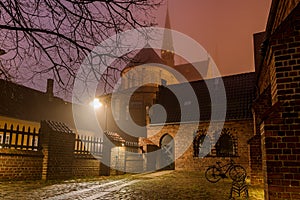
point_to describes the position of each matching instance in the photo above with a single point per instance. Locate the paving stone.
(160, 185)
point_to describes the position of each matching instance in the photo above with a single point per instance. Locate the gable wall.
(241, 130)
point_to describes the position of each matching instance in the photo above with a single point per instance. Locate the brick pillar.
(57, 141)
(256, 175)
(261, 105)
(274, 154)
(106, 157)
(280, 129)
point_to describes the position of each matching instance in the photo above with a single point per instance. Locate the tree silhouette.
(40, 37)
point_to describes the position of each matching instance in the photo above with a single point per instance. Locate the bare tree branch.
(50, 38)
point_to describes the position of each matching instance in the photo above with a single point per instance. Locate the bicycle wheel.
(237, 172)
(212, 174)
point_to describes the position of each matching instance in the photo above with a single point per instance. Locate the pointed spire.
(167, 52)
(167, 20)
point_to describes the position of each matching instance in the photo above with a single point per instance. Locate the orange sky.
(223, 27)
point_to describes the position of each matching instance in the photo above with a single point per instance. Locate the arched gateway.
(167, 146)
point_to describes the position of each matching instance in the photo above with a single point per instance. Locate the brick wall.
(283, 10)
(255, 156)
(58, 151)
(280, 125)
(241, 131)
(85, 166)
(56, 159)
(20, 164)
(260, 107)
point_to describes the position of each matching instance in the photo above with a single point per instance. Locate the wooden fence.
(27, 139)
(85, 145)
(16, 138)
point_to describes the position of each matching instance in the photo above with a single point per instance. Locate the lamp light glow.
(96, 103)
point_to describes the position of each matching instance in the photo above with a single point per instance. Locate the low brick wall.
(86, 166)
(20, 164)
(27, 165)
(49, 154)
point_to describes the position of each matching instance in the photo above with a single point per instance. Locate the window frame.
(225, 152)
(214, 150)
(198, 144)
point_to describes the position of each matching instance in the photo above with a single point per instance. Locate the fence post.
(57, 142)
(106, 157)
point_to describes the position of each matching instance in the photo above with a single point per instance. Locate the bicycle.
(215, 172)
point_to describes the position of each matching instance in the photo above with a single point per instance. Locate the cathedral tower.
(167, 52)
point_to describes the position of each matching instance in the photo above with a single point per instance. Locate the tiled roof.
(117, 138)
(58, 126)
(114, 136)
(146, 141)
(191, 71)
(146, 55)
(239, 93)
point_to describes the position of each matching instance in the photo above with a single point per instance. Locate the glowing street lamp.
(96, 103)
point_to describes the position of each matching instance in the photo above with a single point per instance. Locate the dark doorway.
(167, 152)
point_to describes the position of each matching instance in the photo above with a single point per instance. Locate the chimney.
(49, 91)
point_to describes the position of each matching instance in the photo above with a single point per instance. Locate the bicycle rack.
(239, 186)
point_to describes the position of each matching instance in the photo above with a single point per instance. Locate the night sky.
(224, 28)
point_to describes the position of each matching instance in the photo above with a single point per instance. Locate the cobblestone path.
(160, 185)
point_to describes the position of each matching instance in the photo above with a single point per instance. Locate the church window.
(225, 146)
(202, 146)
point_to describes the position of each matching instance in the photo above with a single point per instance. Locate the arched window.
(202, 146)
(225, 146)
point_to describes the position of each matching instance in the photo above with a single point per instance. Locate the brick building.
(276, 107)
(223, 143)
(266, 142)
(203, 145)
(140, 82)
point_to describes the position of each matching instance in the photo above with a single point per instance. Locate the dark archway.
(225, 146)
(167, 146)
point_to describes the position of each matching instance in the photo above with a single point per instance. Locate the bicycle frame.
(215, 172)
(230, 165)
